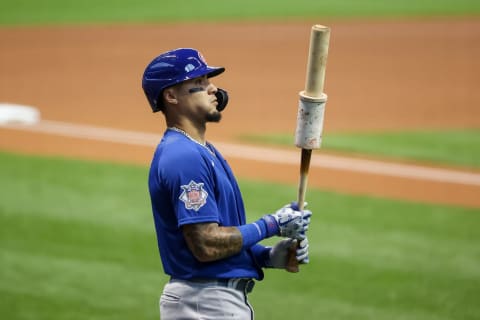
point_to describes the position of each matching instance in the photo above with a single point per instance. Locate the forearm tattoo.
(210, 242)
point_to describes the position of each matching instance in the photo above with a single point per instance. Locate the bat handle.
(292, 263)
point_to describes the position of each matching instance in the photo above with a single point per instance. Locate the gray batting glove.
(288, 222)
(279, 253)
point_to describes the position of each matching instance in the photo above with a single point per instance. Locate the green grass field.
(77, 242)
(448, 147)
(102, 11)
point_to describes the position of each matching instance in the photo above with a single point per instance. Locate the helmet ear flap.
(222, 99)
(157, 105)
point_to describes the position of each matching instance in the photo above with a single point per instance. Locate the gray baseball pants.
(207, 300)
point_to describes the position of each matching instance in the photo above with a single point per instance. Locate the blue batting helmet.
(171, 68)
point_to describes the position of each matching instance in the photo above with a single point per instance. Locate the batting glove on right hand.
(290, 223)
(277, 257)
(302, 252)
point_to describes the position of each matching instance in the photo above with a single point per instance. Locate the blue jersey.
(191, 183)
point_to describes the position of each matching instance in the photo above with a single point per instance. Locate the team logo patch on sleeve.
(193, 195)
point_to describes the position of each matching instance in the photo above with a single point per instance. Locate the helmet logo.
(189, 67)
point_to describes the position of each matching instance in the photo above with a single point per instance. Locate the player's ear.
(170, 96)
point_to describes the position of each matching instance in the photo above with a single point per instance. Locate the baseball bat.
(310, 115)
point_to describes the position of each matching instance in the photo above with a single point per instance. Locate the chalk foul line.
(255, 153)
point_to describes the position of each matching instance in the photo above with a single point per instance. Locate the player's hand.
(294, 205)
(302, 252)
(279, 253)
(291, 223)
(307, 214)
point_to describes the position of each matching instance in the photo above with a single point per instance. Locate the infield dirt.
(384, 75)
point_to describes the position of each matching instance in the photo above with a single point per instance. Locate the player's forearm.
(210, 242)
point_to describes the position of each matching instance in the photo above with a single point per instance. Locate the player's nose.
(212, 89)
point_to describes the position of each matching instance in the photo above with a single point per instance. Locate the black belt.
(242, 284)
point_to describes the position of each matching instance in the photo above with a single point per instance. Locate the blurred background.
(395, 184)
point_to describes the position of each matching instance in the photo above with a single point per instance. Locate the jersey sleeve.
(189, 177)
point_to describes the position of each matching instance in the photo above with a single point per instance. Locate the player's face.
(199, 96)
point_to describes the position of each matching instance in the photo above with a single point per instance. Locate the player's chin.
(214, 116)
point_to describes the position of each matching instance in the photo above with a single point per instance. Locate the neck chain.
(190, 137)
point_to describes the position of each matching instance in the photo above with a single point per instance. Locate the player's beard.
(214, 116)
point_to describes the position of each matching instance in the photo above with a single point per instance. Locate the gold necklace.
(190, 137)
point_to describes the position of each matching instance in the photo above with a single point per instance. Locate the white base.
(17, 114)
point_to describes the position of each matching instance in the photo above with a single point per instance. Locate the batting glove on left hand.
(288, 222)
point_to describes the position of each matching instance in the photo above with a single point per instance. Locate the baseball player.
(208, 249)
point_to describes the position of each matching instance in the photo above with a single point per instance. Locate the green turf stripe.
(450, 147)
(69, 11)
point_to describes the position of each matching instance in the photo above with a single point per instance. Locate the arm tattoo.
(210, 242)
